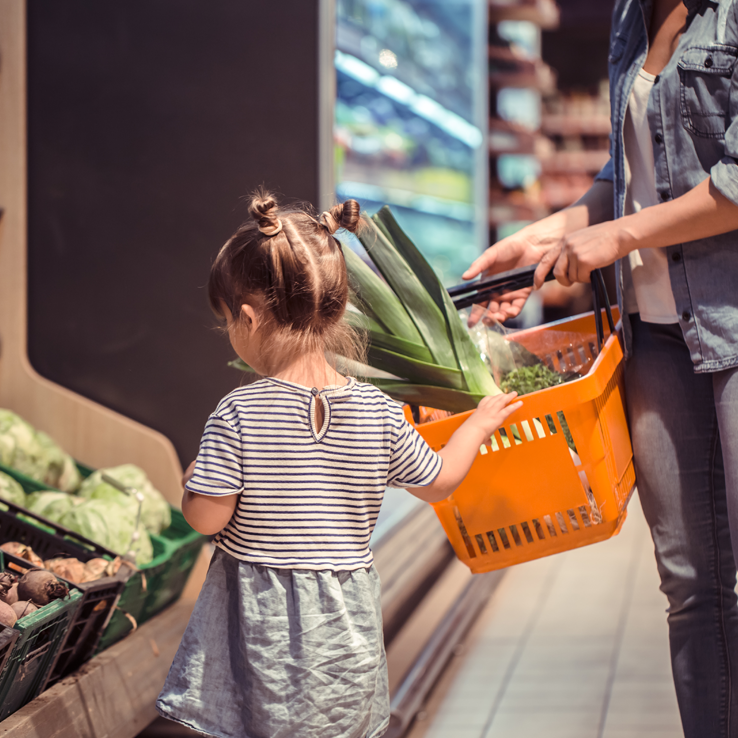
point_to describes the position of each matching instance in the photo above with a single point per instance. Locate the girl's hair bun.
(263, 209)
(345, 215)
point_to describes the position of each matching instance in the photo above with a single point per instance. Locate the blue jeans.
(684, 428)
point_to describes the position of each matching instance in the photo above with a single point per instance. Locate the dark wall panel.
(148, 121)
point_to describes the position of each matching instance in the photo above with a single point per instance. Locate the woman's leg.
(681, 483)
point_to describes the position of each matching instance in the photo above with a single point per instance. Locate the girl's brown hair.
(288, 265)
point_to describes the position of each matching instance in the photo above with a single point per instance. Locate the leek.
(456, 378)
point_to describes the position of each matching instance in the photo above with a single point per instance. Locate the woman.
(665, 209)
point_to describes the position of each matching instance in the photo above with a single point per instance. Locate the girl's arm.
(700, 213)
(461, 450)
(205, 513)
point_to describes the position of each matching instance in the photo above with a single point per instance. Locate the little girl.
(285, 640)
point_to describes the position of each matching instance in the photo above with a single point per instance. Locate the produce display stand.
(111, 696)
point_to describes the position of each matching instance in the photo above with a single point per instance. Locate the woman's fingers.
(548, 260)
(481, 263)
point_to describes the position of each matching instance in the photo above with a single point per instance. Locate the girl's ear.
(252, 318)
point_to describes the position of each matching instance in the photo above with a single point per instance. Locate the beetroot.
(22, 608)
(41, 587)
(10, 595)
(7, 580)
(7, 615)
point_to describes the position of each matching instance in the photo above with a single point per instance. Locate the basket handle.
(600, 300)
(470, 293)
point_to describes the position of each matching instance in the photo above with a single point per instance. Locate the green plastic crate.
(183, 545)
(156, 584)
(39, 637)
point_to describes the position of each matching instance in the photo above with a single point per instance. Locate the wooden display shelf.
(111, 696)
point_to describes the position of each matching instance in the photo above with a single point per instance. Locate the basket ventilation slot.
(527, 430)
(492, 541)
(571, 358)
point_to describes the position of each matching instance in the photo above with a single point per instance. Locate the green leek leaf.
(442, 398)
(378, 337)
(414, 370)
(476, 374)
(409, 289)
(378, 301)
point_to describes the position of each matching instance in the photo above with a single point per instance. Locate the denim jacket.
(693, 116)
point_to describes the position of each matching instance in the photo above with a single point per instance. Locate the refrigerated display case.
(410, 120)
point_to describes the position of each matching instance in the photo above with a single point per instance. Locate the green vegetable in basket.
(111, 525)
(529, 379)
(51, 504)
(156, 514)
(11, 490)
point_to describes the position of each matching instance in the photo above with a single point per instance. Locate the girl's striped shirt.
(309, 497)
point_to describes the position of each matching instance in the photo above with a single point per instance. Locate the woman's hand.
(576, 254)
(527, 246)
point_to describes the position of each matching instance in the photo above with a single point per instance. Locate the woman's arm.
(700, 213)
(530, 244)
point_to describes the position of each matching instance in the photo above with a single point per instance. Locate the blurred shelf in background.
(544, 13)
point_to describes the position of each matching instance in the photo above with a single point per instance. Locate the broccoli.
(529, 379)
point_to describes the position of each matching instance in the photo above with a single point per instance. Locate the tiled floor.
(571, 646)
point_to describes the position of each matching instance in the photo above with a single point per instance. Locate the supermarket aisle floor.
(572, 646)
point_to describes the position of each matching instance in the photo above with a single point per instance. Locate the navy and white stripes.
(309, 497)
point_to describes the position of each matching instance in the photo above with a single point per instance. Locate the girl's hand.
(493, 411)
(578, 253)
(188, 474)
(462, 448)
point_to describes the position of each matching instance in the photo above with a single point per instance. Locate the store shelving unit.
(544, 13)
(516, 142)
(577, 127)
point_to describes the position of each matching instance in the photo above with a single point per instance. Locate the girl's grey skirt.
(281, 653)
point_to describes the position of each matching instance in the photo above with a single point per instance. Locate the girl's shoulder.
(255, 393)
(371, 395)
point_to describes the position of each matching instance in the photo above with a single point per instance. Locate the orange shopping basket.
(560, 473)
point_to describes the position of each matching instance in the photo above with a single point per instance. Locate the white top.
(308, 497)
(647, 287)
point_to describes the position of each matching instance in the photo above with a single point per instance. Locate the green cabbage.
(61, 471)
(11, 490)
(111, 525)
(34, 454)
(19, 446)
(156, 515)
(51, 504)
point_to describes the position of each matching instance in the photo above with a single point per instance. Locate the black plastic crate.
(99, 598)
